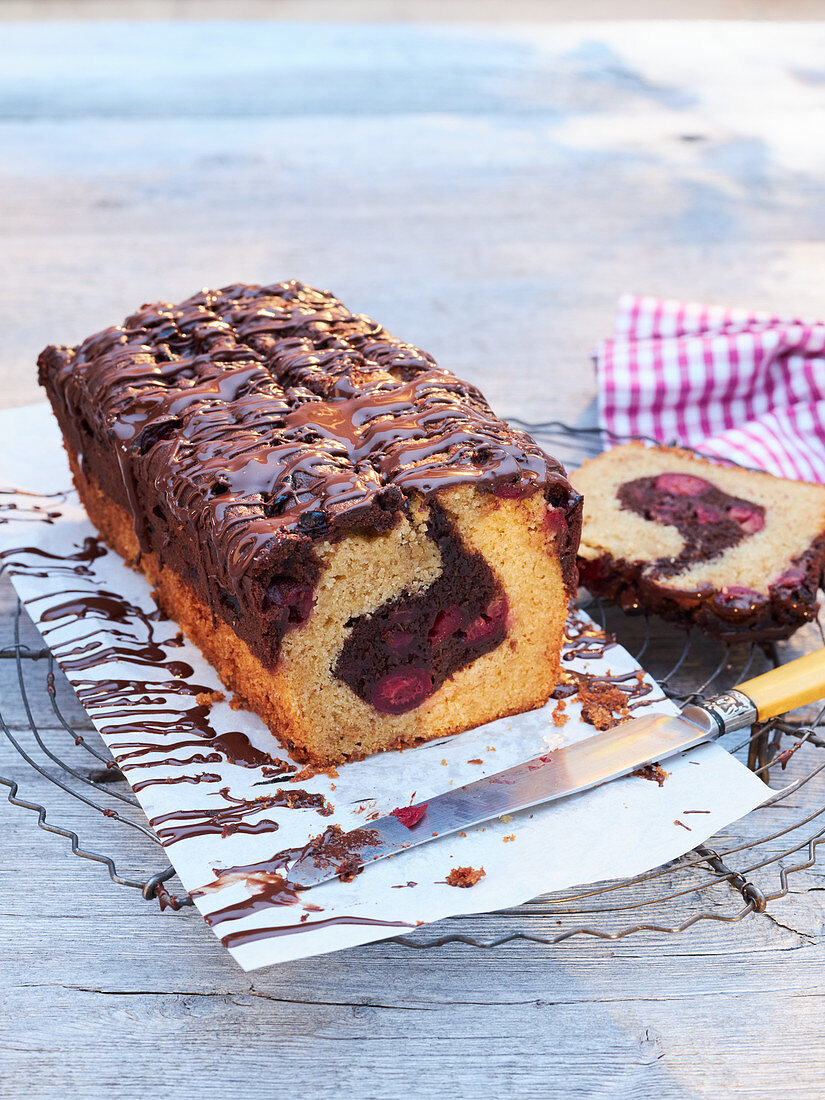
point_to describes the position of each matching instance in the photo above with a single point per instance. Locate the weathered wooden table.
(486, 193)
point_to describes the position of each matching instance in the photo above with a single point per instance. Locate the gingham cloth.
(743, 386)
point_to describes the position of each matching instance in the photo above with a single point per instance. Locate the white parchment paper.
(623, 828)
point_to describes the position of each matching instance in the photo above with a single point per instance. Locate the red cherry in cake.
(400, 691)
(400, 654)
(292, 596)
(401, 616)
(748, 518)
(683, 485)
(488, 622)
(554, 521)
(791, 578)
(447, 623)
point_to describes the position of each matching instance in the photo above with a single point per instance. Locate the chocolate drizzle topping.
(607, 699)
(13, 511)
(250, 422)
(268, 884)
(76, 564)
(135, 706)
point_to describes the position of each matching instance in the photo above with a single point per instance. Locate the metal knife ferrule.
(732, 710)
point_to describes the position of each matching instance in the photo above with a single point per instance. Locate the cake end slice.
(736, 552)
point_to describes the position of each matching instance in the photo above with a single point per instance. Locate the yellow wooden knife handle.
(792, 685)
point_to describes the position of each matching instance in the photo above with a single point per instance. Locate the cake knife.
(565, 771)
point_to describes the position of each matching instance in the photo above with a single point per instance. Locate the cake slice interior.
(737, 552)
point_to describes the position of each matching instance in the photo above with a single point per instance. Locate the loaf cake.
(738, 553)
(365, 553)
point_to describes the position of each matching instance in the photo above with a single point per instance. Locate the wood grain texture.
(486, 193)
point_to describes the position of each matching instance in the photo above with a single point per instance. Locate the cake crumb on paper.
(207, 698)
(512, 836)
(654, 772)
(465, 876)
(307, 772)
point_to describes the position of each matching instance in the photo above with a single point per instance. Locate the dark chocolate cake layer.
(244, 426)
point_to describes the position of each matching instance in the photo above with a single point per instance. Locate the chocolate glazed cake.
(738, 553)
(367, 555)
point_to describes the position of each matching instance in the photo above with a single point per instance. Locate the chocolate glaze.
(185, 824)
(232, 747)
(252, 935)
(11, 511)
(91, 550)
(279, 769)
(202, 777)
(268, 885)
(251, 422)
(583, 639)
(273, 865)
(605, 699)
(227, 820)
(121, 697)
(401, 653)
(267, 889)
(339, 851)
(293, 799)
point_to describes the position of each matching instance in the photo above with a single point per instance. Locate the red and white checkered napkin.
(743, 386)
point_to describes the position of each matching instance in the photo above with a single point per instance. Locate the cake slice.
(738, 553)
(367, 555)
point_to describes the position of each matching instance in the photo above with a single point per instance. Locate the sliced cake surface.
(366, 553)
(739, 553)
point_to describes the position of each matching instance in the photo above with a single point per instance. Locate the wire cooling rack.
(740, 871)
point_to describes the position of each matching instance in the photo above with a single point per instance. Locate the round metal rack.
(726, 879)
